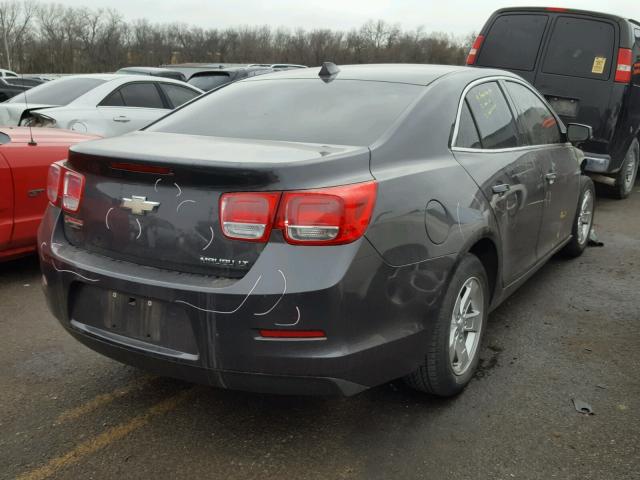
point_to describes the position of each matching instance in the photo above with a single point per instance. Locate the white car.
(105, 105)
(7, 73)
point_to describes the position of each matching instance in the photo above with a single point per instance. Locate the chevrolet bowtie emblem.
(139, 205)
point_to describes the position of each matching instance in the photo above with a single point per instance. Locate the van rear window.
(513, 42)
(580, 48)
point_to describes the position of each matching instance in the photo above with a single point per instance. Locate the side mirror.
(578, 133)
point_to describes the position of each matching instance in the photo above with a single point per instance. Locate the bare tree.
(15, 18)
(49, 37)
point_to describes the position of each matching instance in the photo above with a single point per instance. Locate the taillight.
(248, 215)
(73, 186)
(325, 216)
(623, 68)
(53, 183)
(473, 53)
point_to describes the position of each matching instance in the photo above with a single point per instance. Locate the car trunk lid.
(153, 198)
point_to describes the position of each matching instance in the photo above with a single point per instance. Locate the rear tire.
(626, 177)
(583, 219)
(458, 328)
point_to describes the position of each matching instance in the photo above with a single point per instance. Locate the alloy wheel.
(466, 323)
(585, 217)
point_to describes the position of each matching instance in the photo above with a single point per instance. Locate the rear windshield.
(58, 92)
(342, 112)
(580, 48)
(209, 81)
(513, 42)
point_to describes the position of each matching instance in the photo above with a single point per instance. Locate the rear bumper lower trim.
(134, 343)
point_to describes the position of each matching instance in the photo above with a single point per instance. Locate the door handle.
(121, 119)
(551, 177)
(501, 189)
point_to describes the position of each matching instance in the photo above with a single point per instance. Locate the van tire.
(626, 177)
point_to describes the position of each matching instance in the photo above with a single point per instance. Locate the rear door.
(556, 160)
(513, 42)
(577, 71)
(132, 106)
(490, 147)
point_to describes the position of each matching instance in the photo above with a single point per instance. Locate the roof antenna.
(32, 142)
(328, 71)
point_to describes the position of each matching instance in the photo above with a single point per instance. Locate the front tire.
(583, 220)
(626, 177)
(455, 336)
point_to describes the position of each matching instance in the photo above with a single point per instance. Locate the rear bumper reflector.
(292, 334)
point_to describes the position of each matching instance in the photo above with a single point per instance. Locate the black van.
(587, 65)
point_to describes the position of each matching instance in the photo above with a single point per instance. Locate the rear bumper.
(373, 315)
(597, 163)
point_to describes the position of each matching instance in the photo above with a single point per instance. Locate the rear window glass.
(513, 42)
(342, 112)
(58, 92)
(580, 48)
(209, 82)
(493, 116)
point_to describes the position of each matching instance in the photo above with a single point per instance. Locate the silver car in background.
(99, 104)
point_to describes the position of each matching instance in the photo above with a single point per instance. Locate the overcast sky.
(455, 16)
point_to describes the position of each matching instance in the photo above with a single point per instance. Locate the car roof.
(146, 69)
(417, 74)
(591, 13)
(124, 77)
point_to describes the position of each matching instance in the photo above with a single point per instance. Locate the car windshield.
(342, 112)
(58, 92)
(209, 81)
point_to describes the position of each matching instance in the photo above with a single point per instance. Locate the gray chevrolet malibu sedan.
(315, 231)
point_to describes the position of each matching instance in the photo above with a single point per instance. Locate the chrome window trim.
(510, 149)
(498, 79)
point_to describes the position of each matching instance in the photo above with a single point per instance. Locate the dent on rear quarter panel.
(415, 166)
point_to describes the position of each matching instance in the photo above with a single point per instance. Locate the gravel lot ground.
(573, 331)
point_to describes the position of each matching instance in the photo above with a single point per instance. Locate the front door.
(556, 159)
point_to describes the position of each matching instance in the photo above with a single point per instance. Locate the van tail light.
(248, 215)
(72, 189)
(475, 48)
(623, 68)
(53, 183)
(325, 216)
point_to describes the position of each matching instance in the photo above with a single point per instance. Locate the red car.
(23, 179)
